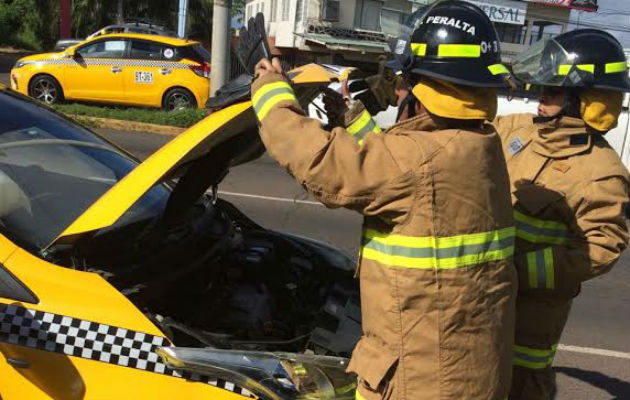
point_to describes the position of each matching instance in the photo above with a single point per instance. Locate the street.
(593, 361)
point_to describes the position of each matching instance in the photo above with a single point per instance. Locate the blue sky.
(606, 17)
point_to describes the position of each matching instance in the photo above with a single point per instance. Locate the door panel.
(149, 73)
(96, 73)
(84, 339)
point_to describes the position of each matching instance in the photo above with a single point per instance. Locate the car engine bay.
(218, 280)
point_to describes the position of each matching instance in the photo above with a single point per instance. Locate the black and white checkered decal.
(119, 62)
(79, 338)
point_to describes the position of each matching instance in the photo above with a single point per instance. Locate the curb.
(122, 125)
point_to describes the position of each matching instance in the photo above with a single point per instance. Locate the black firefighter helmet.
(454, 41)
(584, 58)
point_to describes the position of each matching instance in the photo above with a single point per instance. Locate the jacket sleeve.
(333, 166)
(601, 220)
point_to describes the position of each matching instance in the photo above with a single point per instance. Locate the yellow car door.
(97, 73)
(149, 72)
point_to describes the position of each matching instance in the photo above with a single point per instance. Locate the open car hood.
(201, 156)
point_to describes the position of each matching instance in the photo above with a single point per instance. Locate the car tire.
(46, 89)
(178, 98)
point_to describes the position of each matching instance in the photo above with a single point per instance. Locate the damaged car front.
(272, 314)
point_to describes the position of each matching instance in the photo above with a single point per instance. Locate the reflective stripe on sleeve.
(540, 270)
(533, 358)
(269, 95)
(438, 252)
(362, 126)
(612, 68)
(536, 230)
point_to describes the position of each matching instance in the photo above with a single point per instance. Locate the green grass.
(181, 118)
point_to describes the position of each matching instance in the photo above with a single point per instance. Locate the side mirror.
(70, 53)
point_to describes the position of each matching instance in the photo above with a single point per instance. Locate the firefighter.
(438, 284)
(569, 190)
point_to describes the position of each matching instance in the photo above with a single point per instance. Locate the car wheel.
(177, 99)
(46, 89)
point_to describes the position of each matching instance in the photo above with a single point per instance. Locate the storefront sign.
(507, 12)
(585, 5)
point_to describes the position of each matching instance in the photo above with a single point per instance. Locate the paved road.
(595, 361)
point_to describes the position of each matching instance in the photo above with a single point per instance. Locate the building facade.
(355, 32)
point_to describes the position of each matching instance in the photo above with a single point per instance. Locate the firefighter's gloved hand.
(377, 92)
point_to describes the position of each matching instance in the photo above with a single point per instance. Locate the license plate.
(144, 77)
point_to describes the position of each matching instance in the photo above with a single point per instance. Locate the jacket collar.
(427, 124)
(561, 138)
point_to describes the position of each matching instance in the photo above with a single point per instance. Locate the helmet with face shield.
(454, 41)
(585, 58)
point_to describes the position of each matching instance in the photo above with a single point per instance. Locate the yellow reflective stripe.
(498, 69)
(357, 396)
(587, 67)
(269, 95)
(564, 69)
(362, 126)
(549, 271)
(532, 358)
(419, 49)
(540, 272)
(536, 230)
(615, 67)
(532, 270)
(438, 252)
(459, 50)
(268, 88)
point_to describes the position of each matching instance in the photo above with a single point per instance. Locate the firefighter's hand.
(265, 67)
(336, 106)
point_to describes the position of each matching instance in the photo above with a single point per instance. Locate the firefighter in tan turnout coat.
(569, 190)
(437, 280)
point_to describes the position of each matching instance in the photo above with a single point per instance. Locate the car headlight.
(19, 64)
(270, 376)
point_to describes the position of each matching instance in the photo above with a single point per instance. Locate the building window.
(511, 33)
(368, 15)
(285, 10)
(392, 21)
(299, 10)
(330, 10)
(274, 10)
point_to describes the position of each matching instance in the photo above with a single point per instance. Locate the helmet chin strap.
(409, 102)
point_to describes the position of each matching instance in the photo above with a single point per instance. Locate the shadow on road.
(617, 388)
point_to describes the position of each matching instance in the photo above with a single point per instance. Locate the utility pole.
(181, 20)
(64, 19)
(120, 16)
(220, 44)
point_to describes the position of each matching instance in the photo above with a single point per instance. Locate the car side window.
(103, 49)
(142, 50)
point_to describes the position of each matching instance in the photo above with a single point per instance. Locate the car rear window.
(195, 52)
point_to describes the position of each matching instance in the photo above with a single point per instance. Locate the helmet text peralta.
(456, 23)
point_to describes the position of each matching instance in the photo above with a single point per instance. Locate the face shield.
(400, 39)
(547, 63)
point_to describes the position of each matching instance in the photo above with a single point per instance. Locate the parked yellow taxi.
(118, 281)
(129, 69)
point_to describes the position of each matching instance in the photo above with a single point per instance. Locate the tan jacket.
(569, 190)
(437, 279)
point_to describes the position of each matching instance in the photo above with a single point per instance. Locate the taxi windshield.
(52, 170)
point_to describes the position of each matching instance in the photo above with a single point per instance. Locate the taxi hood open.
(200, 157)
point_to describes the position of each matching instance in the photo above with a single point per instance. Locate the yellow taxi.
(126, 280)
(126, 68)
